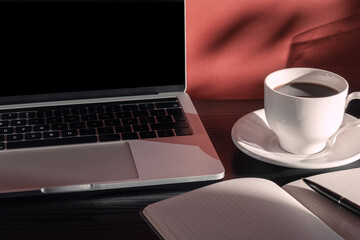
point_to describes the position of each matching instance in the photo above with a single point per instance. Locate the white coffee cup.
(304, 124)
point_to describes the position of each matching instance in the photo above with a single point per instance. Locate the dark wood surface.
(115, 214)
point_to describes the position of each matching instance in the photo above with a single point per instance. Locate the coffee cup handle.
(349, 98)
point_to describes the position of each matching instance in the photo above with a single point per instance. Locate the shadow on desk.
(110, 214)
(161, 192)
(278, 174)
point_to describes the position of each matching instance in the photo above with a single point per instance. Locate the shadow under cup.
(304, 122)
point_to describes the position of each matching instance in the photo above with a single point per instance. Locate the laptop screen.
(58, 50)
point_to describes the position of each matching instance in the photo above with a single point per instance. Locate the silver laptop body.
(60, 54)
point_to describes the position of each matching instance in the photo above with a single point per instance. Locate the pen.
(340, 200)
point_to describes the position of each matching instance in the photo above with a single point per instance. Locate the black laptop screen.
(90, 48)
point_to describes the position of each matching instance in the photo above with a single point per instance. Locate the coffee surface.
(304, 89)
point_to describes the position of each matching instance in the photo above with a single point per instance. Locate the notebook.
(256, 208)
(93, 97)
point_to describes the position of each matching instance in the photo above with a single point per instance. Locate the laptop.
(93, 97)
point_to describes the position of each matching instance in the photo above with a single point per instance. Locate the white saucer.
(252, 135)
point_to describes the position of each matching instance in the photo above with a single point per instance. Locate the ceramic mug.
(305, 107)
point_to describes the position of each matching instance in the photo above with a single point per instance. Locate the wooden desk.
(115, 214)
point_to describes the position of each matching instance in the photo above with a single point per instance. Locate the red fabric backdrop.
(233, 44)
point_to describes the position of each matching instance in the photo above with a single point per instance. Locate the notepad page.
(247, 208)
(345, 183)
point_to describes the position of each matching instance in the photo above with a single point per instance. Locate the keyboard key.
(71, 119)
(174, 111)
(69, 133)
(77, 125)
(167, 105)
(4, 123)
(142, 113)
(79, 111)
(41, 128)
(91, 117)
(114, 108)
(129, 108)
(51, 142)
(106, 116)
(14, 137)
(23, 129)
(183, 131)
(140, 128)
(123, 129)
(35, 121)
(177, 114)
(129, 121)
(2, 146)
(6, 130)
(109, 137)
(157, 112)
(123, 114)
(88, 131)
(51, 120)
(32, 136)
(128, 136)
(149, 134)
(27, 115)
(47, 113)
(53, 134)
(164, 119)
(174, 125)
(147, 120)
(19, 122)
(165, 133)
(59, 126)
(105, 130)
(113, 122)
(7, 116)
(96, 110)
(146, 106)
(61, 112)
(95, 124)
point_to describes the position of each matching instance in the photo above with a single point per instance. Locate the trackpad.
(66, 165)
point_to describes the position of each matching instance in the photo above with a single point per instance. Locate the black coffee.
(302, 89)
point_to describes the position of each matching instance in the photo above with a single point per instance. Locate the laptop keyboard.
(90, 123)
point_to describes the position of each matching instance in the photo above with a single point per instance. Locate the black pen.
(340, 200)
